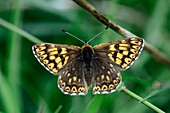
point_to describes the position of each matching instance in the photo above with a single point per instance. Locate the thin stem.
(140, 99)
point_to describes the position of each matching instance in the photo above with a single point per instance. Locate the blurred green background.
(26, 87)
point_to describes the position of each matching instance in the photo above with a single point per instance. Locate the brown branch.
(156, 54)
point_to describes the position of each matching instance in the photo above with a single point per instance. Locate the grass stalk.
(140, 99)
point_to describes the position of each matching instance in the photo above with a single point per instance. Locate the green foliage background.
(26, 87)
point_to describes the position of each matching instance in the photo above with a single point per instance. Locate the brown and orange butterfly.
(81, 67)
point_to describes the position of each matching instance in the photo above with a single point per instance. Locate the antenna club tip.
(63, 30)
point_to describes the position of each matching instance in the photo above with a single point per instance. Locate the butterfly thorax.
(87, 55)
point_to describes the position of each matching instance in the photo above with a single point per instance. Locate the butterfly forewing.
(54, 56)
(122, 52)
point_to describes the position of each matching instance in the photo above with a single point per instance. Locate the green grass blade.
(19, 31)
(58, 109)
(147, 103)
(94, 104)
(14, 45)
(7, 97)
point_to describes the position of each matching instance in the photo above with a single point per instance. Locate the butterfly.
(81, 67)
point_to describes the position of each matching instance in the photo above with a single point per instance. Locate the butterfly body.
(87, 56)
(81, 67)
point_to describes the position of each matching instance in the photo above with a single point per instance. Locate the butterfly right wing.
(109, 58)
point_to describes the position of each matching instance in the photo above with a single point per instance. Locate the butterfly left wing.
(55, 56)
(64, 61)
(121, 53)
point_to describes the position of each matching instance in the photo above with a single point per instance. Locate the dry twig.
(156, 54)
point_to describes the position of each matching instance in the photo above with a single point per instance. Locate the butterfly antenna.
(98, 34)
(72, 35)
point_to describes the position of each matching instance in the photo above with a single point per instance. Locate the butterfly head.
(86, 45)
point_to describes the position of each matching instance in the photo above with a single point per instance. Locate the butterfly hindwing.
(122, 52)
(71, 79)
(106, 77)
(54, 56)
